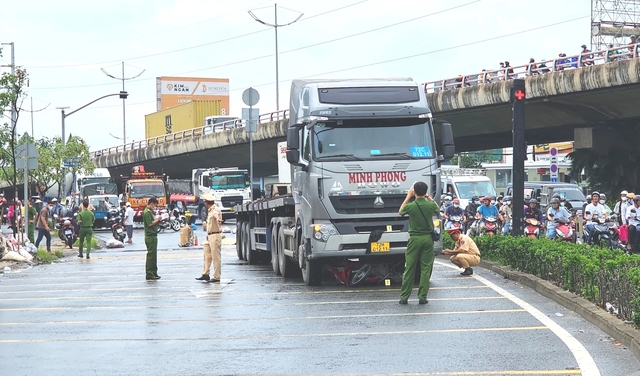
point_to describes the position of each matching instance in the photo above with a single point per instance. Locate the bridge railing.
(190, 133)
(535, 68)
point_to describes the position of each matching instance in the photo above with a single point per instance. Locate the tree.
(470, 160)
(12, 95)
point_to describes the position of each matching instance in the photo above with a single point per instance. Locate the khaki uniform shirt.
(211, 224)
(467, 245)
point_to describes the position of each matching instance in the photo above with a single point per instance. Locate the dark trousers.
(46, 234)
(634, 234)
(129, 231)
(151, 265)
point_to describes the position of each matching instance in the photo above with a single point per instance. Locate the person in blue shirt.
(452, 211)
(486, 210)
(554, 212)
(532, 211)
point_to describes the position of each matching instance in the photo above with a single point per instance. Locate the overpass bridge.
(591, 99)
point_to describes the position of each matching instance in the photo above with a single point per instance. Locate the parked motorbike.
(114, 222)
(177, 219)
(532, 228)
(68, 231)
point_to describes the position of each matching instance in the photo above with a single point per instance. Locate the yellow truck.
(180, 118)
(140, 186)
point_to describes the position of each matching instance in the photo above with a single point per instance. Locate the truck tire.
(274, 249)
(287, 267)
(252, 256)
(245, 241)
(202, 213)
(312, 273)
(239, 239)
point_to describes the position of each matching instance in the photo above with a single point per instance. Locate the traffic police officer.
(85, 219)
(212, 245)
(420, 245)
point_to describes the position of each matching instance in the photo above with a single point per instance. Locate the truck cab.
(465, 183)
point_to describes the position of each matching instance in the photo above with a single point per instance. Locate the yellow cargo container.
(179, 118)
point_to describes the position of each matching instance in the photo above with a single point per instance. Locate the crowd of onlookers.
(506, 71)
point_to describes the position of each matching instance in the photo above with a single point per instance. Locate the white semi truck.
(355, 148)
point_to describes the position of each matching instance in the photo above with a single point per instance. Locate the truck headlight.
(322, 232)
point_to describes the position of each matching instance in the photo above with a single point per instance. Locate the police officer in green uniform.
(420, 245)
(85, 220)
(151, 239)
(31, 219)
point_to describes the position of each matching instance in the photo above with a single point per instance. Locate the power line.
(287, 51)
(185, 48)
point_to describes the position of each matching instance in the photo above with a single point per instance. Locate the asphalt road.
(101, 317)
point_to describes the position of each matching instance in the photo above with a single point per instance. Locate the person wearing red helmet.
(465, 254)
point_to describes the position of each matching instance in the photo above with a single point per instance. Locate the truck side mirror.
(447, 146)
(293, 146)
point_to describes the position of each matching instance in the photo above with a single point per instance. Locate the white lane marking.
(585, 361)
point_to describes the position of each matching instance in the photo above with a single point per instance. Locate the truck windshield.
(469, 189)
(139, 190)
(373, 139)
(230, 181)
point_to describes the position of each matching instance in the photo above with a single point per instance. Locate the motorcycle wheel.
(175, 225)
(360, 275)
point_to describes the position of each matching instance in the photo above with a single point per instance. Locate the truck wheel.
(203, 214)
(239, 240)
(245, 241)
(312, 273)
(287, 268)
(252, 256)
(274, 250)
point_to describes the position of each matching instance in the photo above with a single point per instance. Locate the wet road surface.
(100, 316)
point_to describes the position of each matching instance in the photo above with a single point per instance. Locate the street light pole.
(276, 26)
(123, 94)
(123, 78)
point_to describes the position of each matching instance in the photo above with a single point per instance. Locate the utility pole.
(517, 97)
(276, 26)
(123, 78)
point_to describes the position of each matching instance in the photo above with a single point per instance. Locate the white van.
(465, 183)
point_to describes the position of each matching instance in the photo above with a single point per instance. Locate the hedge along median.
(599, 275)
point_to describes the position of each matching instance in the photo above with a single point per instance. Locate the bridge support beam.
(596, 139)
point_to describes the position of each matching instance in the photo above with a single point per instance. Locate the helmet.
(630, 195)
(555, 201)
(508, 198)
(493, 198)
(447, 198)
(533, 201)
(474, 198)
(624, 193)
(456, 201)
(67, 222)
(442, 197)
(603, 197)
(636, 198)
(500, 197)
(556, 195)
(595, 193)
(486, 198)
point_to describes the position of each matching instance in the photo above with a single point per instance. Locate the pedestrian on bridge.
(151, 239)
(420, 246)
(85, 220)
(465, 254)
(212, 246)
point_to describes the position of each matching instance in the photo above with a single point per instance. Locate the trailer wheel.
(275, 265)
(312, 273)
(239, 239)
(287, 268)
(252, 256)
(245, 241)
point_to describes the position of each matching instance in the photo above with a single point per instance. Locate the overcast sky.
(63, 44)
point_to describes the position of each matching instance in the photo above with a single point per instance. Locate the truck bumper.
(356, 245)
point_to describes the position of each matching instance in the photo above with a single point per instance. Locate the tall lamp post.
(276, 26)
(123, 95)
(123, 78)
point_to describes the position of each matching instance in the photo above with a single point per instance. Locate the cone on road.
(195, 242)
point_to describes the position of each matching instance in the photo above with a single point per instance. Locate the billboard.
(563, 147)
(173, 91)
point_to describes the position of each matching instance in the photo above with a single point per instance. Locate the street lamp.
(123, 78)
(122, 94)
(276, 26)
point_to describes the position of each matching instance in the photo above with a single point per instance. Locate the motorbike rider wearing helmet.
(617, 209)
(626, 205)
(470, 211)
(507, 213)
(487, 210)
(603, 202)
(532, 211)
(554, 212)
(594, 208)
(452, 211)
(633, 218)
(445, 203)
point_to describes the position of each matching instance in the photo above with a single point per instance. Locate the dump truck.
(140, 186)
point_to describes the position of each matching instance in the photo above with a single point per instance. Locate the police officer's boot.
(467, 271)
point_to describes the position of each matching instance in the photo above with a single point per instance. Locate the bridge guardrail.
(535, 68)
(190, 133)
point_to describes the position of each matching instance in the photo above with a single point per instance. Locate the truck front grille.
(364, 204)
(231, 201)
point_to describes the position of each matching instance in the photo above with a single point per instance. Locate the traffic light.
(517, 97)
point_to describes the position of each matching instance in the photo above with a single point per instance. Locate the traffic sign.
(250, 116)
(553, 167)
(250, 97)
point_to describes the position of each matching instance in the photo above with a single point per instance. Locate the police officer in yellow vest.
(213, 243)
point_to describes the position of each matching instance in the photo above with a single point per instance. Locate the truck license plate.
(380, 247)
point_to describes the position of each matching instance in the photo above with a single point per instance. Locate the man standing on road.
(128, 221)
(420, 245)
(42, 224)
(151, 239)
(465, 254)
(31, 218)
(213, 243)
(85, 219)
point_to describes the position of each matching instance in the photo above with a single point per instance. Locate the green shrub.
(599, 275)
(58, 253)
(43, 255)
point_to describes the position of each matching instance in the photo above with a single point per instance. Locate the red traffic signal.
(520, 94)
